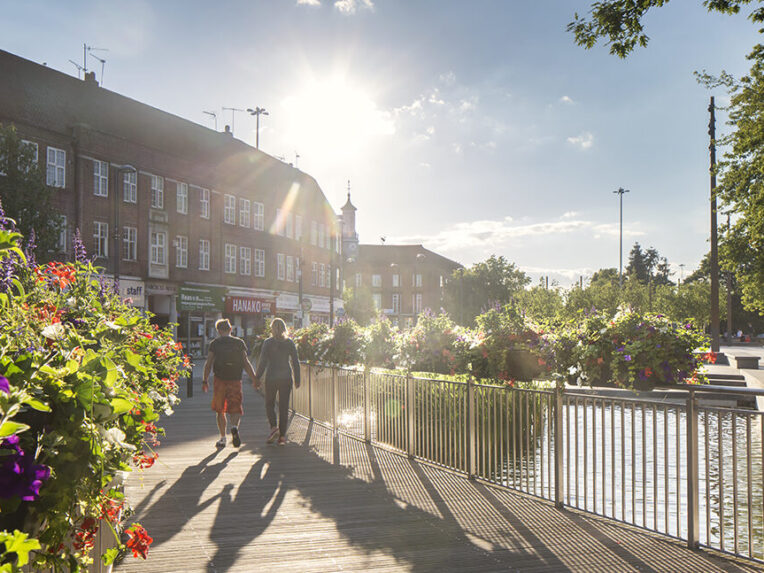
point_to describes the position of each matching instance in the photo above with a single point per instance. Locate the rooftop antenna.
(214, 116)
(103, 63)
(296, 159)
(233, 111)
(79, 68)
(383, 239)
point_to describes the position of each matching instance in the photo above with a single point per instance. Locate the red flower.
(139, 541)
(144, 460)
(84, 536)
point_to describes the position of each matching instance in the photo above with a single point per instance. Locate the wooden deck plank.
(337, 504)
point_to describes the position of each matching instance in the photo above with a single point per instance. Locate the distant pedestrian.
(281, 365)
(227, 358)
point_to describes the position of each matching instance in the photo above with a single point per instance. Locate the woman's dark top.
(279, 360)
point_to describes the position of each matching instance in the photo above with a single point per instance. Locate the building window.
(290, 268)
(279, 223)
(358, 280)
(130, 187)
(396, 281)
(130, 243)
(289, 224)
(416, 280)
(229, 209)
(396, 303)
(280, 267)
(416, 302)
(157, 192)
(321, 275)
(298, 227)
(62, 235)
(314, 275)
(33, 149)
(259, 263)
(100, 178)
(230, 258)
(244, 212)
(204, 253)
(181, 199)
(321, 235)
(101, 238)
(181, 252)
(56, 168)
(377, 300)
(204, 203)
(376, 281)
(313, 232)
(245, 260)
(258, 216)
(158, 248)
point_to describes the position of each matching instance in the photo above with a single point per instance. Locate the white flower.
(116, 437)
(173, 398)
(54, 331)
(111, 325)
(168, 411)
(154, 395)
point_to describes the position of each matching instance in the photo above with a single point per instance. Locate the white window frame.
(321, 232)
(204, 203)
(32, 144)
(245, 261)
(358, 280)
(259, 263)
(158, 249)
(313, 233)
(280, 267)
(321, 275)
(181, 198)
(101, 239)
(396, 303)
(416, 303)
(416, 280)
(130, 187)
(376, 281)
(244, 213)
(290, 268)
(63, 234)
(258, 216)
(157, 192)
(181, 251)
(279, 222)
(396, 280)
(229, 264)
(129, 243)
(377, 297)
(204, 254)
(55, 173)
(289, 224)
(229, 209)
(314, 275)
(100, 178)
(298, 227)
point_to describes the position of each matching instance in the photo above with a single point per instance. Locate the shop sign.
(249, 305)
(161, 289)
(132, 290)
(201, 298)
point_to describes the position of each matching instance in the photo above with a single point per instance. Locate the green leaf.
(110, 555)
(111, 371)
(21, 546)
(133, 359)
(120, 405)
(37, 405)
(10, 428)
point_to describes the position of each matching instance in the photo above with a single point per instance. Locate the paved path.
(323, 504)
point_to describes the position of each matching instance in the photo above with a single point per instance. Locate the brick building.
(403, 280)
(195, 223)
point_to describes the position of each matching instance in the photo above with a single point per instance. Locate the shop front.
(199, 308)
(132, 292)
(249, 315)
(161, 302)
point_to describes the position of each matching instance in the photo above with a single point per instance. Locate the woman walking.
(281, 366)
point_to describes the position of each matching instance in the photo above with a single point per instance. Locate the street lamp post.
(714, 258)
(620, 193)
(257, 112)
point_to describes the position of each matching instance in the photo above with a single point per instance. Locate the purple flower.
(80, 255)
(627, 358)
(5, 386)
(19, 475)
(30, 248)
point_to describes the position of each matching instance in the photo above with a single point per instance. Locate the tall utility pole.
(257, 112)
(729, 293)
(620, 192)
(714, 236)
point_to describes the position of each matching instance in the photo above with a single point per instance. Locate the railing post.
(471, 445)
(366, 408)
(310, 391)
(410, 420)
(558, 451)
(334, 399)
(693, 514)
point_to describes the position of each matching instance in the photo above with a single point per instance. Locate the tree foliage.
(25, 197)
(648, 266)
(359, 305)
(490, 283)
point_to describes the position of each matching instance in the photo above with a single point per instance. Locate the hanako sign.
(201, 298)
(249, 305)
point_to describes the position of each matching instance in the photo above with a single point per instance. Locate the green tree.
(540, 304)
(490, 283)
(648, 266)
(359, 305)
(24, 195)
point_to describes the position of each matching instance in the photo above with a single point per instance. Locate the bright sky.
(473, 127)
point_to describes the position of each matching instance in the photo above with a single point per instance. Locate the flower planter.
(522, 365)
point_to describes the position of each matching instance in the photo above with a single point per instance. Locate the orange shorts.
(227, 396)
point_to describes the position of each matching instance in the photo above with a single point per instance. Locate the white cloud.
(584, 141)
(569, 215)
(351, 6)
(448, 79)
(425, 165)
(309, 2)
(565, 99)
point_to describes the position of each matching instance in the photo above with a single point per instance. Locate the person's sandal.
(273, 435)
(220, 443)
(282, 441)
(235, 436)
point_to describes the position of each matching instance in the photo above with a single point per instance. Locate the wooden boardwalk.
(337, 504)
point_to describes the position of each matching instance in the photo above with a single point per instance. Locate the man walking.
(227, 357)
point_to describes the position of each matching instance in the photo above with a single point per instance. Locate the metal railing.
(688, 466)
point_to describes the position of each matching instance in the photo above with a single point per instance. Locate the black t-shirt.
(229, 354)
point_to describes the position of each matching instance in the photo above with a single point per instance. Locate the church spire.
(348, 206)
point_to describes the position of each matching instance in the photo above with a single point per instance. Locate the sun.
(334, 118)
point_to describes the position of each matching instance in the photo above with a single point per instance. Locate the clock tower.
(349, 235)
